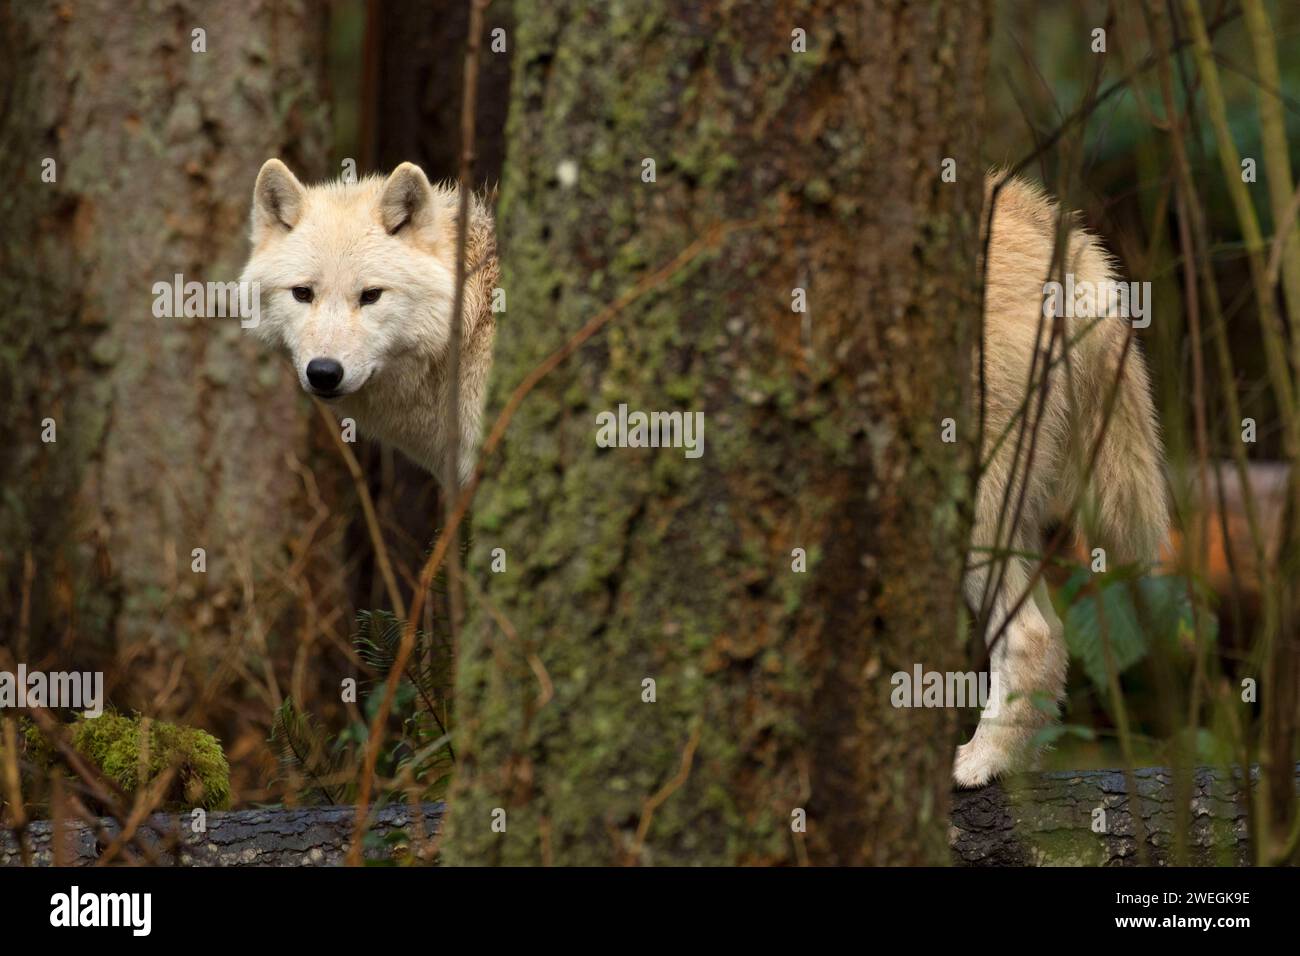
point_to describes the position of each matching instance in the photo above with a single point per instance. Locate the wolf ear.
(407, 199)
(277, 198)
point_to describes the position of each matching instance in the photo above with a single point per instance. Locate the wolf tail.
(1124, 506)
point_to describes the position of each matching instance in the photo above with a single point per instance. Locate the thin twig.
(655, 801)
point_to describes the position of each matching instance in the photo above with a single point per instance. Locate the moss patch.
(132, 751)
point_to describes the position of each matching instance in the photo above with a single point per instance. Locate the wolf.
(357, 281)
(1074, 450)
(360, 279)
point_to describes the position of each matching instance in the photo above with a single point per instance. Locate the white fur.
(1125, 506)
(399, 235)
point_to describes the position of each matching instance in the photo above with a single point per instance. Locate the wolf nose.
(324, 374)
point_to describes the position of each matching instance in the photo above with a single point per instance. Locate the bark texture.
(172, 433)
(772, 685)
(1049, 819)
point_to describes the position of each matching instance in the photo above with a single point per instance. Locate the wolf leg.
(1027, 678)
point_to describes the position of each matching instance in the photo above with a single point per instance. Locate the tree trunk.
(172, 434)
(822, 433)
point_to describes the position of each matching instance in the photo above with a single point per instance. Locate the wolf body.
(358, 281)
(1045, 448)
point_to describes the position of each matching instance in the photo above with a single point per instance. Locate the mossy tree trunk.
(171, 433)
(822, 432)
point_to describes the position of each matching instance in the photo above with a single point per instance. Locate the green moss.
(123, 747)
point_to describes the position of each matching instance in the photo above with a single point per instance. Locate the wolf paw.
(977, 764)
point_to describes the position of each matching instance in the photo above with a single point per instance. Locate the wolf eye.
(302, 293)
(370, 296)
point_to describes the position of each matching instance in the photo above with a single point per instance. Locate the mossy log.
(1082, 818)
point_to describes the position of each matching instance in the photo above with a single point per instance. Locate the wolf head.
(353, 276)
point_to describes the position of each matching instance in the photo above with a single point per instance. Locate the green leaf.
(1133, 615)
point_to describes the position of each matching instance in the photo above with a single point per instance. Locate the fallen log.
(1086, 818)
(1076, 818)
(302, 836)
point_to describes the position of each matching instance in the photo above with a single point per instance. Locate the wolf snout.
(324, 374)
